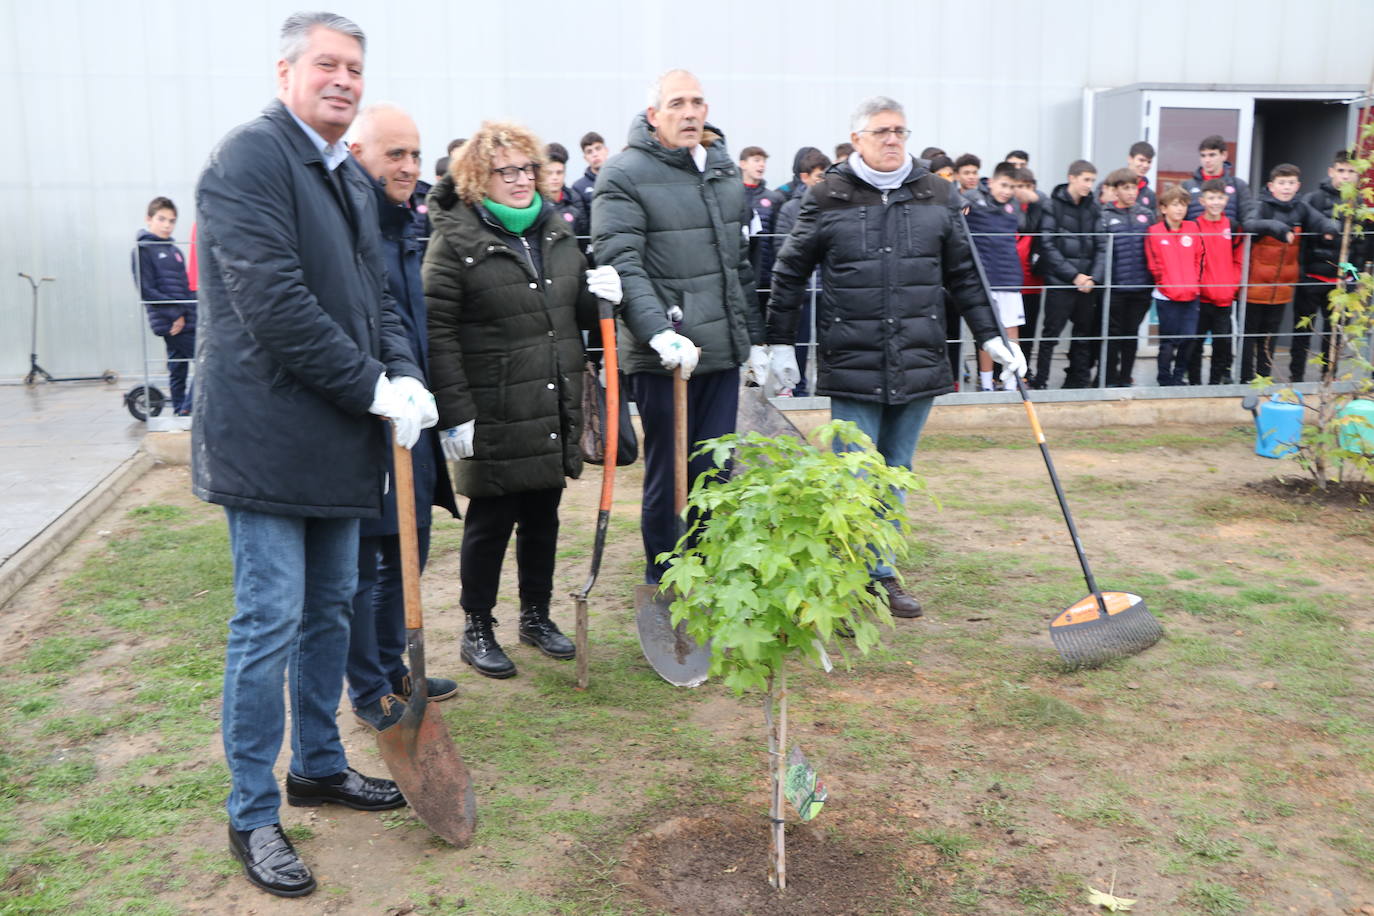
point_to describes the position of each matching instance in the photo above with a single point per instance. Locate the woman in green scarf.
(508, 293)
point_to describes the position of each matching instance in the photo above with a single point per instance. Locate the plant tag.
(825, 656)
(804, 789)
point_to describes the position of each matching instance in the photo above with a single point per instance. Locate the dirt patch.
(718, 866)
(1348, 494)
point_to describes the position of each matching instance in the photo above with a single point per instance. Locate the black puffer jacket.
(505, 348)
(1068, 243)
(296, 325)
(884, 269)
(1320, 255)
(675, 235)
(1240, 202)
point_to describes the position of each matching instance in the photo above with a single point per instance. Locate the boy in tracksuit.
(160, 271)
(1223, 256)
(993, 217)
(1280, 221)
(1174, 252)
(1071, 256)
(1124, 223)
(1032, 204)
(1320, 271)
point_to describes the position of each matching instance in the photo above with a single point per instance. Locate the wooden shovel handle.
(405, 526)
(679, 441)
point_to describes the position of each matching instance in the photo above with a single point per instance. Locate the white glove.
(782, 359)
(757, 367)
(604, 283)
(389, 401)
(674, 350)
(1012, 359)
(674, 314)
(457, 441)
(414, 390)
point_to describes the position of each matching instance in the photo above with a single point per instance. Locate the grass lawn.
(1227, 770)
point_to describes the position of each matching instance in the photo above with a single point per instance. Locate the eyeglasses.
(882, 133)
(511, 173)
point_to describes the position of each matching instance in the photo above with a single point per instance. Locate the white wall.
(111, 103)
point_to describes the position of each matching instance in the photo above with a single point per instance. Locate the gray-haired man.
(889, 239)
(300, 351)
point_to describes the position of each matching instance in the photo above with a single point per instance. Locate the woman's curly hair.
(474, 160)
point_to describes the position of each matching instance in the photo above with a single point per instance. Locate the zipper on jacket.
(529, 256)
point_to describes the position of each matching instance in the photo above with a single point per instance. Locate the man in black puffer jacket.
(1072, 259)
(669, 215)
(889, 239)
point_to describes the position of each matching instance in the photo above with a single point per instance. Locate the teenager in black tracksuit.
(1072, 261)
(1124, 224)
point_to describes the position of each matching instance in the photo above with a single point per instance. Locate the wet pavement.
(57, 442)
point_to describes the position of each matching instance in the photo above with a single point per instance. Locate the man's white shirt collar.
(334, 153)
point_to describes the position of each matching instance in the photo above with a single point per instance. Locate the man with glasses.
(670, 215)
(889, 238)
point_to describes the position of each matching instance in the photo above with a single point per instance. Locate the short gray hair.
(870, 107)
(656, 87)
(295, 32)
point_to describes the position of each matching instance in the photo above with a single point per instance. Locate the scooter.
(36, 372)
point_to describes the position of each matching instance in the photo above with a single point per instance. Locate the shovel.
(418, 749)
(676, 656)
(611, 429)
(757, 414)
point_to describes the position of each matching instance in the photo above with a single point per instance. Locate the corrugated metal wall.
(111, 103)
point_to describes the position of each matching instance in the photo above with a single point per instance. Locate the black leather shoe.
(349, 788)
(536, 629)
(900, 602)
(481, 650)
(439, 688)
(270, 861)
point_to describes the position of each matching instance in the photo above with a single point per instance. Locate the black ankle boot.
(536, 629)
(481, 650)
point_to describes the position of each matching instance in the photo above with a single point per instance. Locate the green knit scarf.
(515, 221)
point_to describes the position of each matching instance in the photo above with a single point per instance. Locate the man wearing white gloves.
(300, 354)
(671, 216)
(889, 240)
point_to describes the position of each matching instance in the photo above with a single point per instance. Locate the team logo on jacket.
(1141, 218)
(1186, 241)
(765, 202)
(1007, 207)
(1226, 233)
(422, 209)
(1230, 189)
(568, 217)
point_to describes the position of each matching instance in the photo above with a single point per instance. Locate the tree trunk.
(777, 751)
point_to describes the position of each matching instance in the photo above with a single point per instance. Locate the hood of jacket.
(1061, 193)
(1227, 171)
(644, 137)
(469, 229)
(1276, 206)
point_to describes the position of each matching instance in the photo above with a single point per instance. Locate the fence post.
(1241, 306)
(1106, 312)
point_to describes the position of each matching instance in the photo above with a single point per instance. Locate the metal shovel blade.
(420, 754)
(676, 657)
(757, 414)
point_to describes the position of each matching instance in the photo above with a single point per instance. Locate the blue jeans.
(1177, 325)
(294, 580)
(895, 429)
(377, 638)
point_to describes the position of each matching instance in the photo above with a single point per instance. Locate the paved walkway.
(57, 442)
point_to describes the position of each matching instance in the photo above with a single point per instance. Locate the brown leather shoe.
(899, 601)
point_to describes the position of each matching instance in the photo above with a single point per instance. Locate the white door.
(1176, 121)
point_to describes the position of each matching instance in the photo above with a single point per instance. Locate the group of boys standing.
(1181, 252)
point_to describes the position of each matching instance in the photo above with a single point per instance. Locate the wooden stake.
(778, 800)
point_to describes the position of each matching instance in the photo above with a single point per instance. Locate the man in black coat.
(386, 143)
(300, 346)
(889, 239)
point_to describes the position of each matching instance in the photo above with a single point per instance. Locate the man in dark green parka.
(670, 216)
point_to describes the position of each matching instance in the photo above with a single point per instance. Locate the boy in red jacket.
(1223, 256)
(1174, 252)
